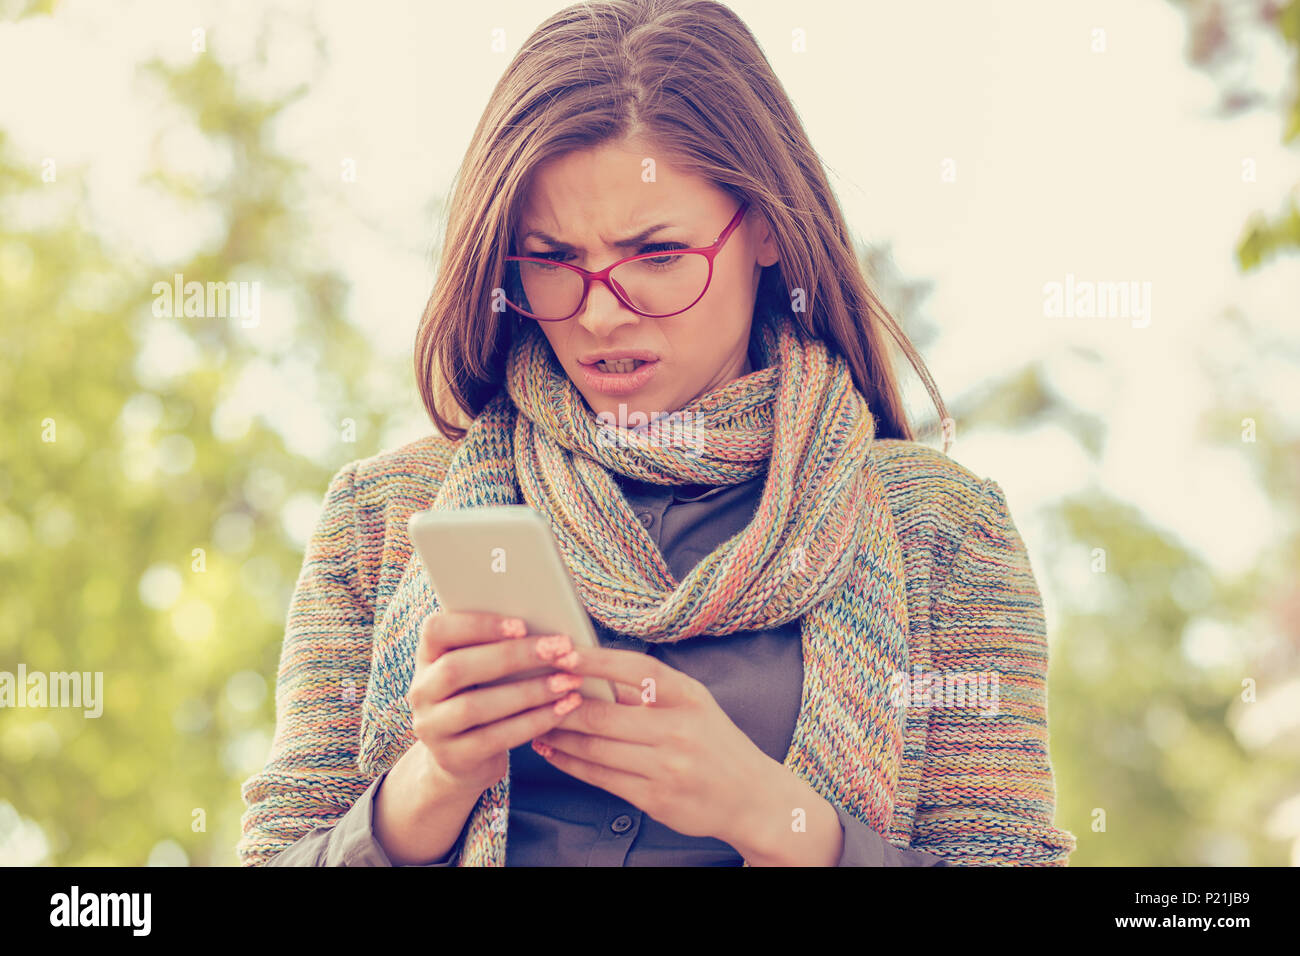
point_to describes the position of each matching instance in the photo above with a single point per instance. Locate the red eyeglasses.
(653, 284)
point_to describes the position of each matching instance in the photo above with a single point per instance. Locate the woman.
(780, 576)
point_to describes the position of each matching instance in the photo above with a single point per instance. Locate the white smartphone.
(504, 559)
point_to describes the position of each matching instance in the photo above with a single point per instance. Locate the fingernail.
(553, 645)
(543, 748)
(567, 660)
(513, 627)
(566, 704)
(559, 682)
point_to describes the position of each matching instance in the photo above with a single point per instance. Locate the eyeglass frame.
(709, 252)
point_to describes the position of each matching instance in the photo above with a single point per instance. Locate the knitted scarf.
(820, 546)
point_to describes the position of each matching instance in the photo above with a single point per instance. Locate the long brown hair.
(689, 76)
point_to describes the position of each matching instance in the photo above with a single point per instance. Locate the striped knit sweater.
(974, 787)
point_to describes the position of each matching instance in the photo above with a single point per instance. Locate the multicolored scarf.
(820, 546)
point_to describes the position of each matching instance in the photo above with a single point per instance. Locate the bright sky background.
(1108, 166)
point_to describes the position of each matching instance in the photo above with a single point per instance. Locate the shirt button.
(622, 823)
(646, 518)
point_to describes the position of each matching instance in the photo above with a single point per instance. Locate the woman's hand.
(468, 732)
(666, 747)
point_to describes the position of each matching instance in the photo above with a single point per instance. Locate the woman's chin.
(621, 413)
(619, 408)
(626, 413)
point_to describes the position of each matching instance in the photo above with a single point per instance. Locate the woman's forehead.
(615, 216)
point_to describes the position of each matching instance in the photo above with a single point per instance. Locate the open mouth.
(622, 366)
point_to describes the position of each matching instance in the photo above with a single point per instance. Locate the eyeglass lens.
(659, 285)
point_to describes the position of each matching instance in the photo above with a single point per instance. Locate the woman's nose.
(603, 312)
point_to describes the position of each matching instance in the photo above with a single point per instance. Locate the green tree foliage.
(1221, 36)
(141, 533)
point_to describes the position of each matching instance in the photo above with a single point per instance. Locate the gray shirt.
(755, 676)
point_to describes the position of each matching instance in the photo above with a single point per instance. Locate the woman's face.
(589, 200)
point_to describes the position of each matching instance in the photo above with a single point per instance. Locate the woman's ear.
(766, 254)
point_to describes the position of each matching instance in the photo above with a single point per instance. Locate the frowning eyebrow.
(636, 240)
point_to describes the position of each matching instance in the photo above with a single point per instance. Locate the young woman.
(827, 639)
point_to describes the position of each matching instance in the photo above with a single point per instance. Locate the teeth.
(622, 365)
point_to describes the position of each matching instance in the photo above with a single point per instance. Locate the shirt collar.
(684, 492)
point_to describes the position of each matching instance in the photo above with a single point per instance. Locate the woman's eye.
(666, 259)
(560, 255)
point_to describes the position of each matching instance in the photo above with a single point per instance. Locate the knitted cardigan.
(974, 788)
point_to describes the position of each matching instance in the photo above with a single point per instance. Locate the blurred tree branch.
(1223, 37)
